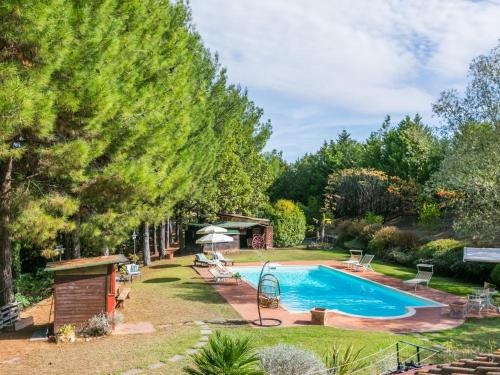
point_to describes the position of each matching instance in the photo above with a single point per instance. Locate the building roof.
(230, 224)
(85, 262)
(237, 224)
(241, 218)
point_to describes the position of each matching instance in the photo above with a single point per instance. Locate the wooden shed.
(83, 288)
(243, 229)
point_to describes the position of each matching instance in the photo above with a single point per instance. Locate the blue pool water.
(306, 287)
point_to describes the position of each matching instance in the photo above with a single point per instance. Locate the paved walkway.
(205, 333)
(243, 298)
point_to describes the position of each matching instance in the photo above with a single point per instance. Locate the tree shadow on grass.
(199, 291)
(161, 266)
(160, 280)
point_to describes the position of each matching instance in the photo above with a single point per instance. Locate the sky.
(320, 66)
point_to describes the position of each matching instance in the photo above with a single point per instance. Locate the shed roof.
(230, 224)
(85, 262)
(238, 217)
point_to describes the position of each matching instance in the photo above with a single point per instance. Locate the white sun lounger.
(423, 276)
(356, 256)
(220, 257)
(220, 273)
(201, 260)
(365, 263)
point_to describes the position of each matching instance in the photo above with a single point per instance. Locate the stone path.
(205, 332)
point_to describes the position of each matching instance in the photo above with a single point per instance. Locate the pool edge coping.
(411, 310)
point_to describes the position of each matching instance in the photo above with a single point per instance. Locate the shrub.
(343, 360)
(289, 223)
(33, 288)
(495, 275)
(447, 257)
(133, 258)
(371, 218)
(429, 214)
(348, 230)
(225, 355)
(401, 257)
(369, 231)
(391, 238)
(65, 333)
(355, 244)
(283, 359)
(98, 325)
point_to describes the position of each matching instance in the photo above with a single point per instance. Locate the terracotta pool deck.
(242, 297)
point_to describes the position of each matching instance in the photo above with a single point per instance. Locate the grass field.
(171, 294)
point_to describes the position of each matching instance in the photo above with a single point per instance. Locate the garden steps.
(482, 364)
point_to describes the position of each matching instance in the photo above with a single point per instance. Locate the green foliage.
(284, 359)
(98, 325)
(371, 218)
(357, 192)
(480, 102)
(289, 223)
(343, 360)
(429, 214)
(133, 258)
(348, 230)
(392, 238)
(368, 232)
(356, 244)
(32, 288)
(409, 151)
(66, 330)
(225, 355)
(447, 257)
(470, 171)
(495, 275)
(23, 300)
(304, 181)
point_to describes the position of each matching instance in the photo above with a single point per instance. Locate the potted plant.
(319, 316)
(65, 333)
(237, 277)
(458, 309)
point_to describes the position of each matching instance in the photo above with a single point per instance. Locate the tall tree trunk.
(6, 291)
(171, 236)
(76, 249)
(146, 252)
(168, 232)
(155, 240)
(178, 230)
(162, 239)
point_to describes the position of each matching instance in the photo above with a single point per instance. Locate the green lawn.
(171, 294)
(446, 284)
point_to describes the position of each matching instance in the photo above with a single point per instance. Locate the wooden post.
(146, 252)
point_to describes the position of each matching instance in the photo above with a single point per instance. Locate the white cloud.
(369, 57)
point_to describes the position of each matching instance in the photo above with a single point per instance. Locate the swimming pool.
(306, 287)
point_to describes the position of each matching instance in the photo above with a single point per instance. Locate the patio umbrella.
(211, 229)
(214, 238)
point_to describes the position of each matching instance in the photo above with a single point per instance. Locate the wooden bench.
(122, 296)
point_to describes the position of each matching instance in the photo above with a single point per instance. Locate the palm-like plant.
(343, 361)
(225, 355)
